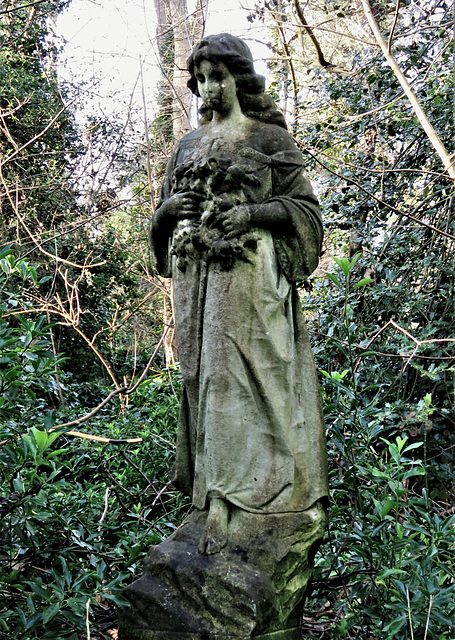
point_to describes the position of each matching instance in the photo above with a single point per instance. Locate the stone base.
(254, 588)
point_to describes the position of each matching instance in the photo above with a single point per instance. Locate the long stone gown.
(250, 428)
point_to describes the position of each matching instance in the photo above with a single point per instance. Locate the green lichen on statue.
(219, 183)
(236, 227)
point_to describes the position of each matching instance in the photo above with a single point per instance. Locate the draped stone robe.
(250, 428)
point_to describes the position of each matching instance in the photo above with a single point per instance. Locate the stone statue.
(237, 226)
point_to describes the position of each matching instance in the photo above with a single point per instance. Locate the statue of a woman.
(236, 227)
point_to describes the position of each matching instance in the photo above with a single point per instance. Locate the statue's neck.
(233, 114)
(236, 125)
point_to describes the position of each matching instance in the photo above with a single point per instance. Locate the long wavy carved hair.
(236, 55)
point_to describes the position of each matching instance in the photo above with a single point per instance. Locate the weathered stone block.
(254, 588)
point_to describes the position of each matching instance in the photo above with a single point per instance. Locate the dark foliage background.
(82, 313)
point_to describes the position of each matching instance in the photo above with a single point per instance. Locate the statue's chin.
(214, 104)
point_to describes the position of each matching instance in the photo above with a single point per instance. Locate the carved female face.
(216, 86)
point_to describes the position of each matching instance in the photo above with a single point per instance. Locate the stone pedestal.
(254, 588)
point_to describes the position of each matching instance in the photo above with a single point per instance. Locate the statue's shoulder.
(271, 138)
(192, 135)
(185, 147)
(189, 139)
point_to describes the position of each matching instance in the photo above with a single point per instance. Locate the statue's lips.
(213, 102)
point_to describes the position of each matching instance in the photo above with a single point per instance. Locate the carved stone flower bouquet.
(222, 185)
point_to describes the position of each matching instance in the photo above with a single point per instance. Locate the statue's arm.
(293, 218)
(271, 215)
(291, 214)
(170, 209)
(267, 215)
(299, 240)
(177, 207)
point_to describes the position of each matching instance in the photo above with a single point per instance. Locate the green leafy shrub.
(76, 516)
(387, 565)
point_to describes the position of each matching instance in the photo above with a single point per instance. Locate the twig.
(117, 391)
(122, 504)
(389, 44)
(92, 346)
(428, 617)
(88, 436)
(418, 343)
(22, 6)
(435, 140)
(147, 137)
(166, 442)
(106, 506)
(6, 114)
(359, 167)
(376, 353)
(289, 57)
(409, 614)
(322, 61)
(15, 207)
(127, 391)
(385, 204)
(158, 495)
(38, 135)
(138, 469)
(72, 227)
(91, 413)
(149, 363)
(69, 322)
(87, 620)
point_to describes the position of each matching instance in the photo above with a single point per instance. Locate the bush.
(387, 564)
(77, 516)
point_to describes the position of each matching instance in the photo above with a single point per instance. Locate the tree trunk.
(176, 29)
(182, 49)
(176, 34)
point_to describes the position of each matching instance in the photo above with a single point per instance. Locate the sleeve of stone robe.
(298, 253)
(160, 243)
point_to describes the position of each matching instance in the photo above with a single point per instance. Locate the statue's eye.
(200, 78)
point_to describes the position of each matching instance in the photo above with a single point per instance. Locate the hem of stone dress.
(284, 511)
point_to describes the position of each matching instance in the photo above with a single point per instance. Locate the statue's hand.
(178, 207)
(235, 222)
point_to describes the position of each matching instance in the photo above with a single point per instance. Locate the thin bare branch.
(22, 6)
(161, 491)
(417, 342)
(397, 9)
(147, 137)
(428, 617)
(38, 135)
(437, 143)
(89, 436)
(385, 204)
(125, 390)
(409, 614)
(149, 363)
(322, 61)
(92, 413)
(50, 255)
(277, 17)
